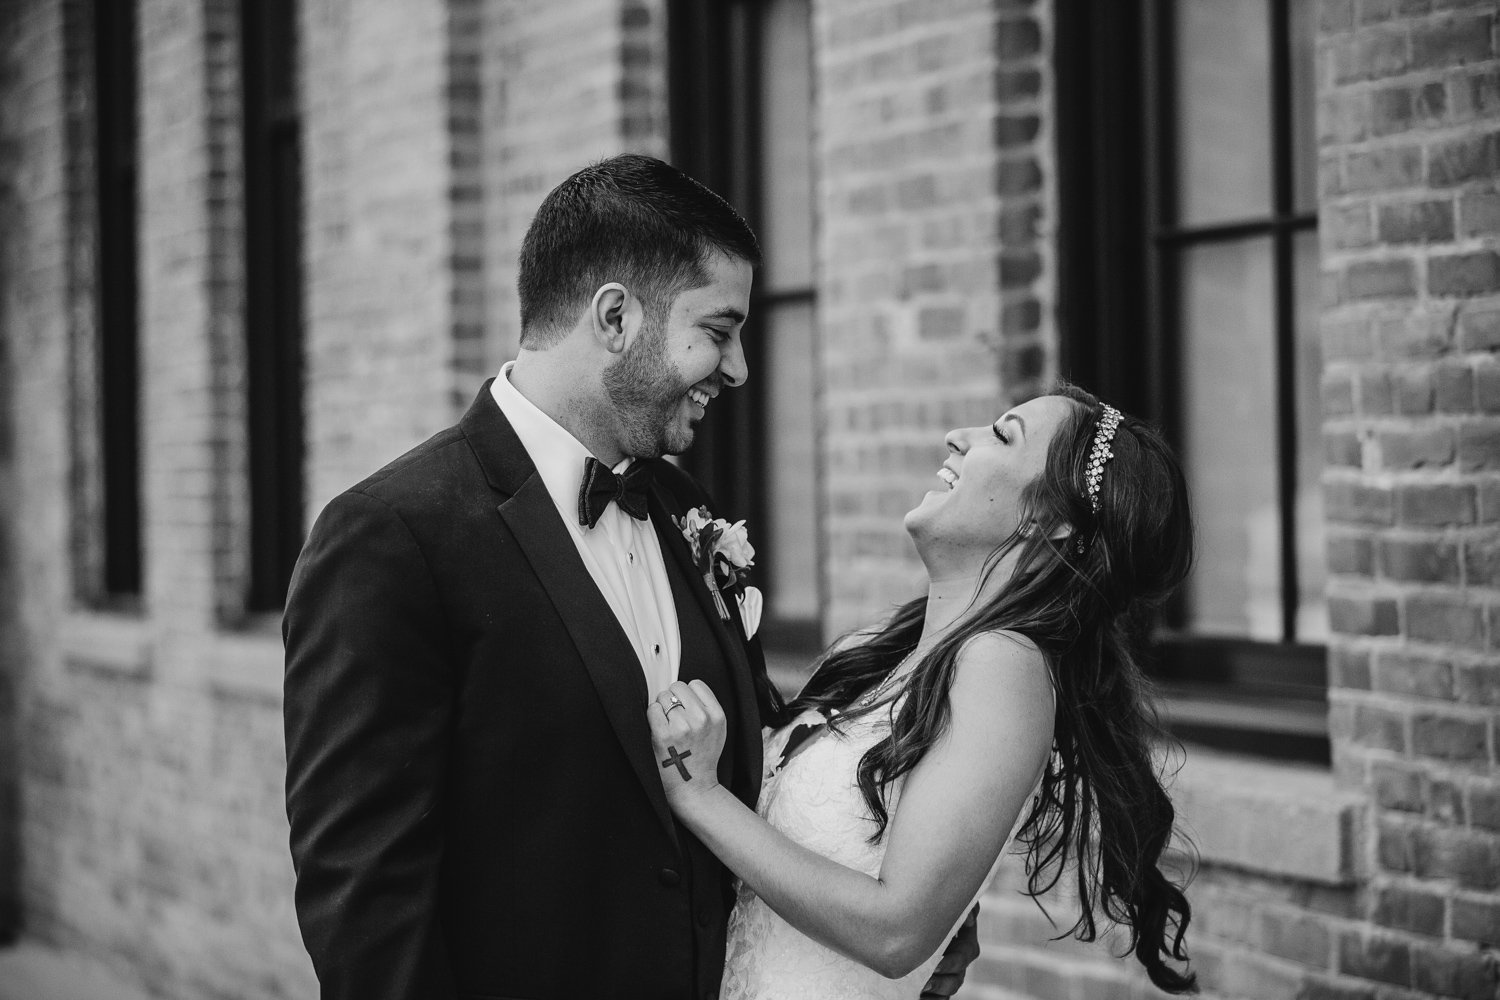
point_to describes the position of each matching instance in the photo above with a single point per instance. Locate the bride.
(1005, 704)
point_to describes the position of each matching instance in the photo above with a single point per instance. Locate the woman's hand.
(687, 732)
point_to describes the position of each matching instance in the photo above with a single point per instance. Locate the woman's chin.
(933, 498)
(917, 517)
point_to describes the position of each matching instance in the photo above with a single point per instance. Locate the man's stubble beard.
(646, 391)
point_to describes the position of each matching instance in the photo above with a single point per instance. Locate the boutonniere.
(722, 554)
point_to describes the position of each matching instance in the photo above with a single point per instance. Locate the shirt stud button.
(656, 648)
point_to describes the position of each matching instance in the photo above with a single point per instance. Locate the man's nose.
(732, 363)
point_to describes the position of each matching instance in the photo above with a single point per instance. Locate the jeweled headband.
(1101, 453)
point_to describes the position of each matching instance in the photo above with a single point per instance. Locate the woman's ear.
(1059, 532)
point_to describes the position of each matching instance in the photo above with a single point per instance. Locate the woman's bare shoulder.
(1002, 648)
(1008, 661)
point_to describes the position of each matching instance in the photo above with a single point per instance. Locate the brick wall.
(150, 828)
(9, 647)
(546, 122)
(151, 822)
(149, 763)
(35, 329)
(380, 225)
(1409, 124)
(933, 163)
(1400, 900)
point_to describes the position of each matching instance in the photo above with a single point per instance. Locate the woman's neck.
(949, 596)
(947, 600)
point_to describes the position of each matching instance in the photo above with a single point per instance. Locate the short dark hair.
(631, 219)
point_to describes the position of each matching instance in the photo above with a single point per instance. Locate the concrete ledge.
(31, 971)
(112, 643)
(249, 663)
(1267, 817)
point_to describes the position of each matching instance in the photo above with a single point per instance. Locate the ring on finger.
(675, 704)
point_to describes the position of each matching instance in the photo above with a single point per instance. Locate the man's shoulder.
(427, 471)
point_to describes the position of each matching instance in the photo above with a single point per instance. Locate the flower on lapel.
(751, 605)
(718, 547)
(721, 551)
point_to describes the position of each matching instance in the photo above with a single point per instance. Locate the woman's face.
(976, 507)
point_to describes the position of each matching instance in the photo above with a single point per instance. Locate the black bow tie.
(600, 486)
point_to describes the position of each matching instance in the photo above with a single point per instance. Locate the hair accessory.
(1101, 453)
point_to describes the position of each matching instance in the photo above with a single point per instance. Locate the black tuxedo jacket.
(475, 806)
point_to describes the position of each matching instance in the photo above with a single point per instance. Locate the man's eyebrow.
(726, 312)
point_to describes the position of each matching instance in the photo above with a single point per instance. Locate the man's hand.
(957, 957)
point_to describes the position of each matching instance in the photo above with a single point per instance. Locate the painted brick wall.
(10, 216)
(34, 323)
(1409, 126)
(933, 158)
(151, 829)
(151, 820)
(379, 233)
(546, 122)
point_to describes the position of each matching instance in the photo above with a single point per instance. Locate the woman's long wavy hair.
(1085, 591)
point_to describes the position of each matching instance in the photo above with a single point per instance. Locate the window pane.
(1312, 604)
(117, 93)
(1304, 27)
(1223, 101)
(1229, 438)
(786, 152)
(791, 438)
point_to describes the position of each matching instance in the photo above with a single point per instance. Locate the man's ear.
(615, 317)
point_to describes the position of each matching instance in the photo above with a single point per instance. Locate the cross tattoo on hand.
(673, 757)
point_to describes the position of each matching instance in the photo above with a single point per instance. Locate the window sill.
(1284, 729)
(116, 643)
(1267, 817)
(249, 661)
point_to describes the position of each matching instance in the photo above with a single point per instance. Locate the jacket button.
(669, 878)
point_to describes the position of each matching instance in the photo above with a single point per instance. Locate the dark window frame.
(273, 296)
(1120, 323)
(117, 298)
(714, 96)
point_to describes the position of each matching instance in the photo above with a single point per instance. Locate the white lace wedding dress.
(815, 800)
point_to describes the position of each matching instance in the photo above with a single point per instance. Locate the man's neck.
(553, 383)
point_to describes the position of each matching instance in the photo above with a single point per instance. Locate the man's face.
(661, 385)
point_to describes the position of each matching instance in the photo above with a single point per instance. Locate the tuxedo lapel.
(728, 635)
(603, 646)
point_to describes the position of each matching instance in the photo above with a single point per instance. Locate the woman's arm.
(956, 809)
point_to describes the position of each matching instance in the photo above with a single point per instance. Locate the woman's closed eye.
(999, 433)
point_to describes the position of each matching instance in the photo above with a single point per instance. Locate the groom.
(471, 634)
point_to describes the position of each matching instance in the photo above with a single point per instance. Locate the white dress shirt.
(622, 554)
